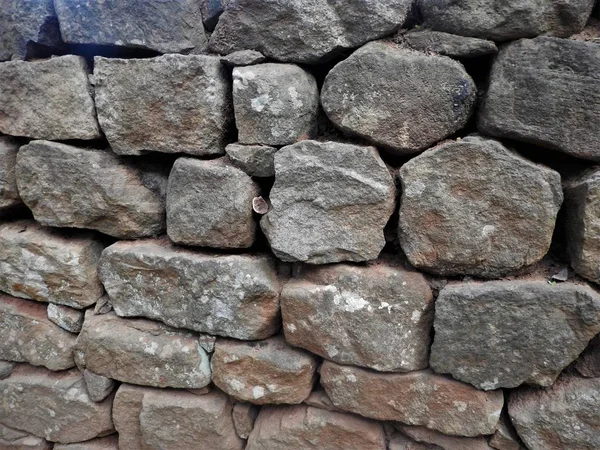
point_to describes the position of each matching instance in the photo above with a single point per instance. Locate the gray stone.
(99, 387)
(169, 104)
(378, 316)
(211, 11)
(505, 437)
(67, 318)
(244, 415)
(35, 104)
(449, 44)
(440, 441)
(6, 368)
(226, 295)
(103, 305)
(588, 363)
(564, 416)
(11, 439)
(9, 194)
(48, 265)
(506, 20)
(305, 32)
(103, 443)
(473, 207)
(66, 186)
(551, 98)
(481, 328)
(416, 398)
(53, 405)
(330, 203)
(274, 104)
(255, 160)
(398, 98)
(29, 336)
(127, 407)
(142, 352)
(243, 58)
(164, 26)
(400, 442)
(209, 204)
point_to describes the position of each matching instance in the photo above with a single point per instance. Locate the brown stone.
(505, 437)
(104, 443)
(126, 415)
(443, 441)
(11, 439)
(99, 387)
(244, 415)
(320, 399)
(588, 363)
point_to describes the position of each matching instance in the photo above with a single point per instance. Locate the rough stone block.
(244, 416)
(255, 160)
(127, 407)
(11, 439)
(9, 194)
(99, 387)
(449, 44)
(67, 318)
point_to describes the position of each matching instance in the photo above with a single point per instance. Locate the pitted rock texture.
(263, 372)
(228, 295)
(167, 27)
(302, 427)
(484, 332)
(209, 204)
(11, 439)
(416, 398)
(9, 194)
(377, 316)
(588, 363)
(169, 104)
(67, 186)
(305, 32)
(47, 99)
(330, 202)
(104, 443)
(400, 99)
(66, 413)
(563, 416)
(48, 265)
(551, 98)
(435, 440)
(142, 352)
(473, 207)
(274, 104)
(65, 317)
(255, 160)
(506, 20)
(449, 44)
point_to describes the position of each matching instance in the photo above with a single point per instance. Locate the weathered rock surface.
(103, 443)
(330, 203)
(262, 372)
(6, 368)
(211, 11)
(504, 21)
(505, 437)
(9, 194)
(243, 57)
(551, 98)
(167, 27)
(35, 104)
(274, 104)
(377, 316)
(244, 416)
(209, 203)
(172, 420)
(67, 186)
(99, 387)
(565, 415)
(255, 160)
(48, 265)
(505, 333)
(66, 413)
(301, 427)
(142, 352)
(127, 407)
(226, 295)
(305, 32)
(588, 363)
(319, 399)
(398, 98)
(449, 44)
(400, 442)
(11, 439)
(67, 318)
(473, 207)
(416, 398)
(169, 104)
(442, 441)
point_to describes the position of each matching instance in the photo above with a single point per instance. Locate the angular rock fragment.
(104, 443)
(66, 186)
(209, 204)
(99, 387)
(398, 98)
(565, 415)
(244, 415)
(6, 368)
(330, 203)
(505, 333)
(416, 398)
(305, 32)
(169, 104)
(226, 295)
(588, 363)
(400, 442)
(29, 336)
(48, 265)
(67, 318)
(275, 104)
(11, 439)
(255, 160)
(263, 372)
(473, 207)
(244, 58)
(35, 104)
(211, 11)
(449, 44)
(142, 352)
(66, 413)
(377, 316)
(551, 98)
(9, 194)
(127, 407)
(436, 440)
(505, 437)
(320, 399)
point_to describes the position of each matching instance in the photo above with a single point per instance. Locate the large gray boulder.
(9, 193)
(67, 186)
(551, 98)
(305, 32)
(169, 104)
(505, 333)
(36, 105)
(167, 27)
(330, 202)
(398, 98)
(473, 207)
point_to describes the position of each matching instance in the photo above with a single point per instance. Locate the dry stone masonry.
(300, 225)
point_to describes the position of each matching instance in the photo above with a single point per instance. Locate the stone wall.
(294, 224)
